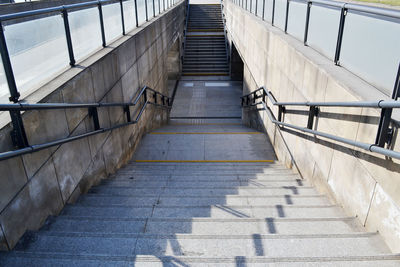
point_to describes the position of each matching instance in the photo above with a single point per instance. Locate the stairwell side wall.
(37, 185)
(367, 185)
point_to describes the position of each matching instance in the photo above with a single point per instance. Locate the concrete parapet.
(366, 184)
(37, 185)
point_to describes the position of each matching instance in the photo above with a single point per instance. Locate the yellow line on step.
(204, 74)
(181, 124)
(208, 161)
(205, 133)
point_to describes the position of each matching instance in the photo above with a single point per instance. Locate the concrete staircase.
(205, 49)
(202, 192)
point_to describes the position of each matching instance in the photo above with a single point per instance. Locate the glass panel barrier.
(129, 15)
(280, 14)
(297, 19)
(259, 8)
(150, 9)
(112, 21)
(253, 6)
(156, 6)
(323, 29)
(141, 11)
(36, 54)
(268, 10)
(85, 31)
(370, 49)
(4, 92)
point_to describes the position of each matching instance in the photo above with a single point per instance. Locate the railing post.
(255, 12)
(145, 5)
(93, 113)
(251, 4)
(103, 35)
(122, 17)
(281, 110)
(155, 98)
(159, 6)
(273, 12)
(68, 37)
(128, 113)
(164, 5)
(18, 134)
(254, 97)
(343, 14)
(154, 9)
(5, 56)
(287, 15)
(385, 134)
(263, 11)
(311, 114)
(136, 16)
(307, 22)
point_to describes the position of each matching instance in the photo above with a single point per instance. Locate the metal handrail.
(342, 6)
(165, 103)
(249, 100)
(186, 26)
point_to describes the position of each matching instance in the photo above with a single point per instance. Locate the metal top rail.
(384, 134)
(26, 148)
(368, 104)
(53, 9)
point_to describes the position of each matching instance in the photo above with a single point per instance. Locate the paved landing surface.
(207, 98)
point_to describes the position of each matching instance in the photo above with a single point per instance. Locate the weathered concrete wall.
(367, 185)
(37, 185)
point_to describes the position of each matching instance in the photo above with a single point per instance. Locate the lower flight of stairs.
(216, 214)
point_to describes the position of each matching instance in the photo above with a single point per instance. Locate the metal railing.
(380, 70)
(20, 139)
(384, 133)
(225, 31)
(64, 11)
(185, 30)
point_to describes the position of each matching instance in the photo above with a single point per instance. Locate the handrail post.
(136, 16)
(307, 22)
(385, 134)
(154, 9)
(343, 14)
(128, 113)
(122, 17)
(159, 6)
(5, 56)
(103, 35)
(281, 110)
(18, 134)
(68, 37)
(251, 4)
(263, 12)
(287, 15)
(163, 5)
(311, 114)
(255, 12)
(273, 12)
(93, 113)
(145, 5)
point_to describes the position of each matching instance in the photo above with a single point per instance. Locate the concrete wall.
(37, 185)
(367, 185)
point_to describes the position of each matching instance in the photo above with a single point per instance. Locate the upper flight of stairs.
(205, 47)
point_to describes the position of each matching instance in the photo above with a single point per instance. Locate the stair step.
(359, 244)
(202, 226)
(64, 259)
(99, 199)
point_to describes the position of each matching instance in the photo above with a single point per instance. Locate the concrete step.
(212, 211)
(339, 245)
(203, 226)
(101, 200)
(206, 191)
(217, 183)
(64, 259)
